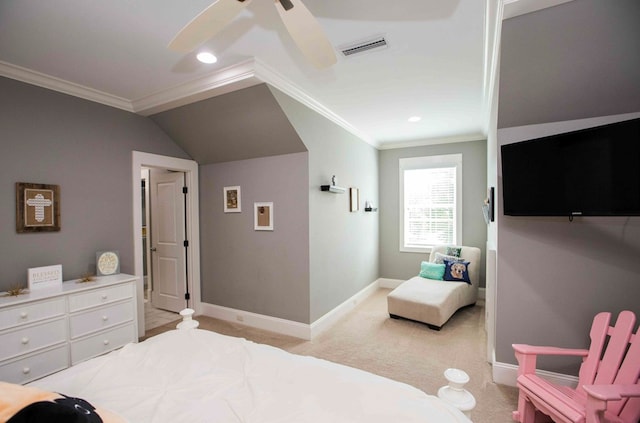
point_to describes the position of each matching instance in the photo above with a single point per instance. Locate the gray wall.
(555, 275)
(85, 148)
(577, 60)
(264, 272)
(395, 264)
(343, 245)
(572, 61)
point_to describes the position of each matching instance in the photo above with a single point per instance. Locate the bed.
(202, 376)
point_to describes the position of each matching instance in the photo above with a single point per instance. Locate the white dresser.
(45, 331)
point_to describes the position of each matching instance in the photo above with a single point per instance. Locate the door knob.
(153, 249)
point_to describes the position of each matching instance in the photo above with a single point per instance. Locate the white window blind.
(430, 201)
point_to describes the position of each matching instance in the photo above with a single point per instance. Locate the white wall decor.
(45, 277)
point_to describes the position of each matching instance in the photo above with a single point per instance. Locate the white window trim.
(445, 160)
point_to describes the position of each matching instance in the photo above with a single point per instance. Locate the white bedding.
(195, 376)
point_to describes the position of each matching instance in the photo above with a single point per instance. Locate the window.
(430, 202)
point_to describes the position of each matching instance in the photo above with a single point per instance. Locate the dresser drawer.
(100, 318)
(23, 340)
(98, 297)
(35, 366)
(101, 343)
(31, 312)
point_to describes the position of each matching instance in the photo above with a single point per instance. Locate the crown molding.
(242, 75)
(29, 76)
(271, 77)
(232, 78)
(245, 74)
(433, 141)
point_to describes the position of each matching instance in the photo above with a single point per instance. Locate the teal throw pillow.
(430, 270)
(456, 271)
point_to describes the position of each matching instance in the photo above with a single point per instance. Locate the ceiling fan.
(302, 26)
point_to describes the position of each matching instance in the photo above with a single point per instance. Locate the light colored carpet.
(405, 351)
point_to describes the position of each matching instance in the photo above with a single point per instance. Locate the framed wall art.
(37, 207)
(263, 216)
(232, 200)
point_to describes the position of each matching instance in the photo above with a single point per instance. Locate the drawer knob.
(104, 296)
(24, 315)
(105, 318)
(24, 340)
(26, 370)
(106, 342)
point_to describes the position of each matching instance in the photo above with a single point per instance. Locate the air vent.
(371, 44)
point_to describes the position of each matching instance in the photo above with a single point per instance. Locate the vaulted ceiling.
(241, 125)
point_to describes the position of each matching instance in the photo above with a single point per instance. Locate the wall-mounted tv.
(590, 172)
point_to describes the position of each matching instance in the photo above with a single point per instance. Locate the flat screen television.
(590, 172)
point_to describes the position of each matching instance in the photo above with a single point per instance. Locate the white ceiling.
(114, 52)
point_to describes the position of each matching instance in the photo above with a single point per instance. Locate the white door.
(167, 240)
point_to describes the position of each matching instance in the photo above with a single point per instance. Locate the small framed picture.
(232, 200)
(354, 197)
(37, 207)
(263, 216)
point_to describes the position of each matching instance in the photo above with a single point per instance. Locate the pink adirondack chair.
(607, 390)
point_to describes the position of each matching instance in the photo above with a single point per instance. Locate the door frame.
(190, 169)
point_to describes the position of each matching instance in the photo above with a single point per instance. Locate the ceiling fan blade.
(307, 33)
(208, 23)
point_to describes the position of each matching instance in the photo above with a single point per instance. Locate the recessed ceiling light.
(206, 57)
(414, 119)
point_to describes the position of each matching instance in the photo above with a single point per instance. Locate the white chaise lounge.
(434, 301)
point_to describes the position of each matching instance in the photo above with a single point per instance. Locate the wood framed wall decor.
(37, 207)
(263, 216)
(232, 200)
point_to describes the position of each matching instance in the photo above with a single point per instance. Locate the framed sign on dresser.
(45, 331)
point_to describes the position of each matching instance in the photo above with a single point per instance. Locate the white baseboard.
(259, 321)
(330, 318)
(506, 374)
(288, 327)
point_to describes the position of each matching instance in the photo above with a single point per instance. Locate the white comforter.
(195, 376)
